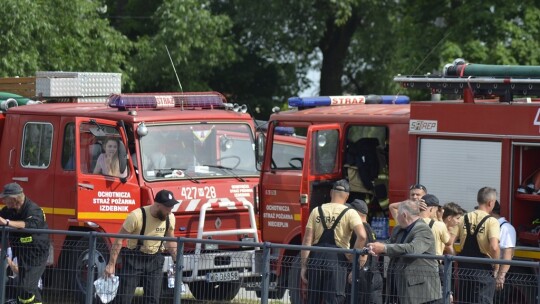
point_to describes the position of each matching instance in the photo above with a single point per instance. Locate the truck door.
(33, 159)
(322, 166)
(106, 190)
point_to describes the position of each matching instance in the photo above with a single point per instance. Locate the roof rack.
(488, 80)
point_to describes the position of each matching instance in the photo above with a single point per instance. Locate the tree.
(58, 35)
(198, 41)
(364, 43)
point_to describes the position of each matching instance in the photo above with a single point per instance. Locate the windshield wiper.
(163, 172)
(230, 170)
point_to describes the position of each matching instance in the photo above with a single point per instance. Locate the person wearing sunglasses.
(416, 192)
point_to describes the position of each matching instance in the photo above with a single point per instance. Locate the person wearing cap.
(31, 249)
(507, 244)
(410, 280)
(330, 225)
(143, 259)
(370, 281)
(429, 207)
(479, 235)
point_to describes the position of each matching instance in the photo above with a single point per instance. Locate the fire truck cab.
(194, 144)
(336, 129)
(485, 136)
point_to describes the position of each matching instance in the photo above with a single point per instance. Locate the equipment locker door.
(322, 166)
(101, 196)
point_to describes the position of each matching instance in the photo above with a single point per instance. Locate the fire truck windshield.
(193, 151)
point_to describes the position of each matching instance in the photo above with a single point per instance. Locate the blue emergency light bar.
(284, 131)
(205, 100)
(347, 100)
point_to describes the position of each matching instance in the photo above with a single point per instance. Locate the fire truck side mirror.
(122, 158)
(259, 148)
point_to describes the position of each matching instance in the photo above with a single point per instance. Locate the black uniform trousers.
(476, 281)
(29, 276)
(140, 267)
(327, 271)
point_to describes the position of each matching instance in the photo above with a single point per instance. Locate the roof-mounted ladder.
(470, 80)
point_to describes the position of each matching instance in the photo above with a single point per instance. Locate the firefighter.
(31, 249)
(479, 235)
(143, 260)
(330, 225)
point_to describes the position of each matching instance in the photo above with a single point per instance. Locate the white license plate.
(222, 276)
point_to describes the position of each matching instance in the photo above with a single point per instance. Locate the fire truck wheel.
(294, 282)
(219, 291)
(83, 264)
(236, 158)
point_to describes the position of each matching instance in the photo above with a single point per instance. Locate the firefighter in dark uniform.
(330, 225)
(31, 249)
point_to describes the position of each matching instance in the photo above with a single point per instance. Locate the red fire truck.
(489, 137)
(194, 144)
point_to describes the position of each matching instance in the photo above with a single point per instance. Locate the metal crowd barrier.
(241, 278)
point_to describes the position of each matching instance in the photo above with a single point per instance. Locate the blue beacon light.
(347, 100)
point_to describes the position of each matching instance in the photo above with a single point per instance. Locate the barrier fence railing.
(242, 272)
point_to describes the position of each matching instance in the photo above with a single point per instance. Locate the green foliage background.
(259, 52)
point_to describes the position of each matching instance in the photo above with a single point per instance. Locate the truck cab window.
(197, 150)
(37, 145)
(366, 164)
(101, 150)
(68, 148)
(325, 147)
(288, 148)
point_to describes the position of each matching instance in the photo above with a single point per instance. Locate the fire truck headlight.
(208, 246)
(247, 240)
(211, 246)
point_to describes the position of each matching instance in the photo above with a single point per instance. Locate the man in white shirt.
(507, 244)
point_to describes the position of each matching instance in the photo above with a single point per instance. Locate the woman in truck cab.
(108, 162)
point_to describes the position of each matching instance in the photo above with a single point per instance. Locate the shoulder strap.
(467, 225)
(431, 223)
(339, 218)
(143, 228)
(505, 222)
(167, 224)
(480, 224)
(321, 215)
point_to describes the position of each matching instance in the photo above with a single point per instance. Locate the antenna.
(177, 79)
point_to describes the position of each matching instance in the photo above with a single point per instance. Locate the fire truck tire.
(219, 291)
(294, 282)
(82, 264)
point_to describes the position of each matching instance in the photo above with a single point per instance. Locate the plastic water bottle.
(375, 225)
(384, 228)
(170, 276)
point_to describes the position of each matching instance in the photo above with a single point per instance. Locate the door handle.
(86, 186)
